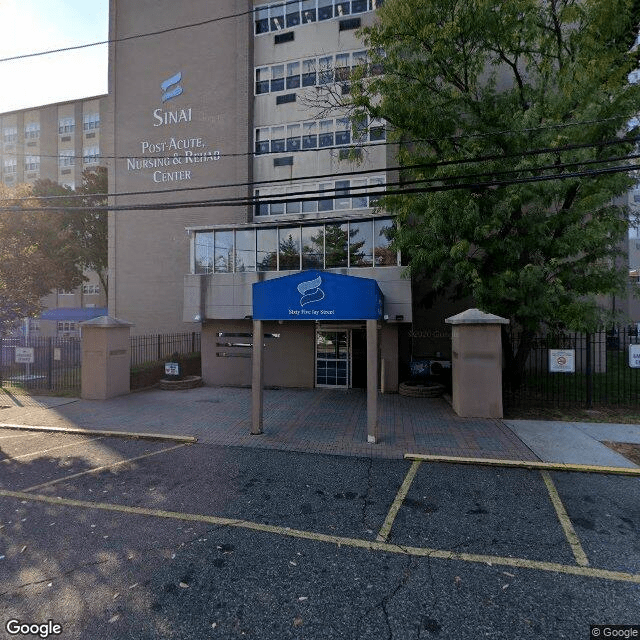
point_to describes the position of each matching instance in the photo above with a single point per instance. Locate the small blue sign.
(317, 295)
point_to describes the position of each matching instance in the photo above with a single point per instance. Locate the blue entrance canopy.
(317, 295)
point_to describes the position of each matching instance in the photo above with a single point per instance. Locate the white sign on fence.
(562, 360)
(634, 356)
(24, 355)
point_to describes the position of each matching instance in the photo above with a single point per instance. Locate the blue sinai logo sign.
(317, 295)
(170, 87)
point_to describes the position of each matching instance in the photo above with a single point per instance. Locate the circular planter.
(420, 390)
(188, 382)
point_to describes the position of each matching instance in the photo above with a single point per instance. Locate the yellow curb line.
(104, 467)
(526, 464)
(565, 522)
(92, 432)
(397, 503)
(588, 572)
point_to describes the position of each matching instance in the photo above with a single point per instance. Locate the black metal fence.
(41, 364)
(579, 369)
(153, 348)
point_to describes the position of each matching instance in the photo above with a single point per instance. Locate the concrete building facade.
(230, 171)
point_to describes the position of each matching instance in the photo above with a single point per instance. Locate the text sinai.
(171, 117)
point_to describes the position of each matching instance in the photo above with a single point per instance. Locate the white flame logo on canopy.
(310, 291)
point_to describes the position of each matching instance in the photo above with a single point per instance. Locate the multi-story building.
(57, 142)
(234, 170)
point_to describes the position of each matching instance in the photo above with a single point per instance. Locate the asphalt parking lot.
(122, 538)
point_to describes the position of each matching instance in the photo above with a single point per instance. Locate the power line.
(246, 202)
(136, 36)
(427, 165)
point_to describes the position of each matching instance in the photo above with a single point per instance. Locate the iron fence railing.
(605, 371)
(40, 363)
(156, 347)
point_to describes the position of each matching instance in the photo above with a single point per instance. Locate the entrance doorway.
(341, 357)
(333, 358)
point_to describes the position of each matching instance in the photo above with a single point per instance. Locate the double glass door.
(333, 358)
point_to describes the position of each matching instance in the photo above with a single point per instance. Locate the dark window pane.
(289, 248)
(360, 244)
(204, 252)
(267, 248)
(343, 8)
(385, 256)
(262, 87)
(359, 6)
(245, 250)
(325, 13)
(277, 84)
(377, 133)
(293, 15)
(336, 245)
(326, 139)
(262, 146)
(308, 11)
(223, 251)
(262, 25)
(309, 142)
(312, 247)
(293, 82)
(293, 144)
(309, 79)
(343, 137)
(277, 146)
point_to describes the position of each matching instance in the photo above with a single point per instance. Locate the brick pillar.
(477, 364)
(106, 358)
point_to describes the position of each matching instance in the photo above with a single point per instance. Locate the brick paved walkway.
(313, 421)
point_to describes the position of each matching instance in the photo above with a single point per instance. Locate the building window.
(91, 121)
(10, 166)
(341, 195)
(32, 131)
(274, 17)
(91, 289)
(10, 134)
(66, 125)
(32, 163)
(358, 243)
(67, 158)
(91, 155)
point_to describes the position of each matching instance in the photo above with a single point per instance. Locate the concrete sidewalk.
(326, 421)
(313, 421)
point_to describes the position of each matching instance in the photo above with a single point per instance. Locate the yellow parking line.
(397, 503)
(526, 464)
(589, 572)
(565, 522)
(103, 468)
(62, 446)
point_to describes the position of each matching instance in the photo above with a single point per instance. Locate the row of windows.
(284, 15)
(32, 163)
(90, 155)
(65, 125)
(312, 72)
(317, 134)
(350, 194)
(90, 289)
(362, 243)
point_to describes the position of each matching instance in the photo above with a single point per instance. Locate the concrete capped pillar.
(106, 358)
(257, 378)
(477, 364)
(372, 381)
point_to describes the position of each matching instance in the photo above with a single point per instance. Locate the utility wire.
(246, 202)
(426, 165)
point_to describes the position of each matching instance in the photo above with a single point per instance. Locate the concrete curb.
(526, 464)
(97, 432)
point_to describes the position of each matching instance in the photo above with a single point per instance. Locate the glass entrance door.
(333, 359)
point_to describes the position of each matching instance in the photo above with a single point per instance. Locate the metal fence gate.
(40, 364)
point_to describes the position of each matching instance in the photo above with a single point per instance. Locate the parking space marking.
(397, 503)
(526, 464)
(62, 446)
(565, 521)
(103, 468)
(385, 547)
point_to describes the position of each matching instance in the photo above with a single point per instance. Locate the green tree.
(36, 256)
(467, 79)
(86, 228)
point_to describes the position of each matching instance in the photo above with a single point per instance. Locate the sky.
(30, 26)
